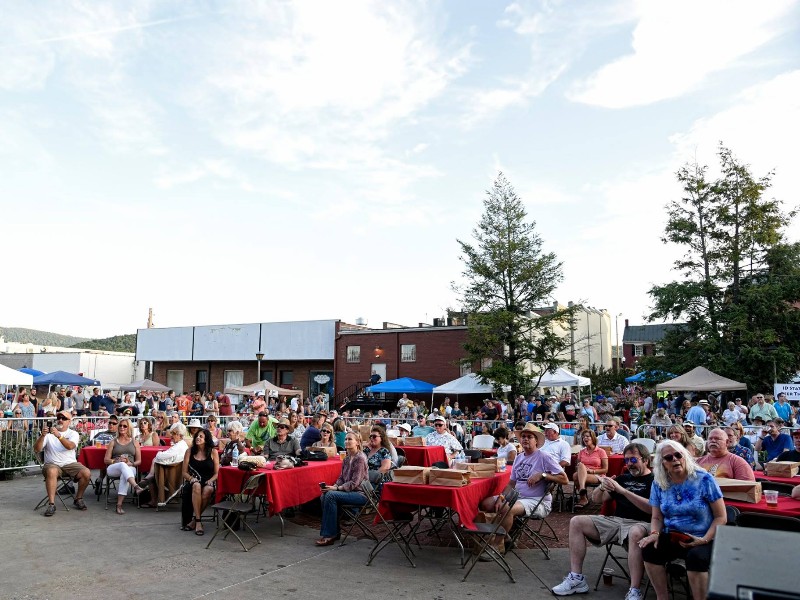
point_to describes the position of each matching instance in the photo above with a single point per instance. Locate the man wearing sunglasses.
(631, 493)
(59, 443)
(611, 438)
(441, 436)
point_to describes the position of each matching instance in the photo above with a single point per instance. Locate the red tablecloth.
(790, 480)
(489, 453)
(283, 489)
(616, 464)
(424, 456)
(93, 457)
(787, 507)
(165, 440)
(463, 500)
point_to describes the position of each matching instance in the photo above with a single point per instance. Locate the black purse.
(314, 454)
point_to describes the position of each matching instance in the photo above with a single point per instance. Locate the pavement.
(143, 554)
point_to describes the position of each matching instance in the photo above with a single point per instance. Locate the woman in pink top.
(592, 462)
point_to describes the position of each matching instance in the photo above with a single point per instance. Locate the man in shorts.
(631, 493)
(533, 470)
(59, 443)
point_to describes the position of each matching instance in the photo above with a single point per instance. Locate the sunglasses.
(62, 419)
(631, 460)
(123, 426)
(672, 457)
(438, 424)
(326, 431)
(374, 436)
(607, 426)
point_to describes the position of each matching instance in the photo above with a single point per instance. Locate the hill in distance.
(117, 343)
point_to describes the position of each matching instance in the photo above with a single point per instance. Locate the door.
(380, 369)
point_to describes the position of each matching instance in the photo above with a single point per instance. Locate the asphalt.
(143, 554)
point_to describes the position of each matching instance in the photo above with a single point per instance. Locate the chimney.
(626, 322)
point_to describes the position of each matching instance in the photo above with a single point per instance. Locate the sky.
(235, 162)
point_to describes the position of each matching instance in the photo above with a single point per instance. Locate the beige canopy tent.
(263, 386)
(701, 379)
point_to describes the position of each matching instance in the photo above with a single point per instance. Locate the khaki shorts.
(72, 469)
(530, 504)
(614, 530)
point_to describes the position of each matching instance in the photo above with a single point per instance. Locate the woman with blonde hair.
(678, 434)
(123, 455)
(687, 510)
(326, 437)
(50, 405)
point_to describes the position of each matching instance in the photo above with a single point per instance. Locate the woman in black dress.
(200, 469)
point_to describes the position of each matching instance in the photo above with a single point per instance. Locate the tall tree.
(740, 281)
(506, 276)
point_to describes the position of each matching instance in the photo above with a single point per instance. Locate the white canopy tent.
(468, 384)
(562, 377)
(701, 379)
(263, 386)
(9, 376)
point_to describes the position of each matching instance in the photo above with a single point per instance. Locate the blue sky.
(227, 162)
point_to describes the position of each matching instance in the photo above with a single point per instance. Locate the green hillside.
(116, 343)
(39, 338)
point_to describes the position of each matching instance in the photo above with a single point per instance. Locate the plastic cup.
(342, 455)
(772, 498)
(608, 576)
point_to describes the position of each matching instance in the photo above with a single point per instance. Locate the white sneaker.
(633, 594)
(570, 585)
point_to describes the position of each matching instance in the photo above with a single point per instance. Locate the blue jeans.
(330, 509)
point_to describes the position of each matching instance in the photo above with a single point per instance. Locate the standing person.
(783, 409)
(123, 456)
(762, 409)
(210, 406)
(59, 443)
(687, 500)
(225, 406)
(374, 379)
(632, 511)
(183, 403)
(79, 400)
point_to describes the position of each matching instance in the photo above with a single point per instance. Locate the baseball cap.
(552, 426)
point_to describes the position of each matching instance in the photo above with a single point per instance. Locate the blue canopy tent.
(404, 385)
(650, 376)
(63, 378)
(31, 372)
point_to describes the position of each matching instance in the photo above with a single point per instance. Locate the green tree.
(740, 281)
(506, 276)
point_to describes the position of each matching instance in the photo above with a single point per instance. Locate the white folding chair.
(483, 442)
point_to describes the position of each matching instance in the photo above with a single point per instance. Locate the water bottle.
(235, 456)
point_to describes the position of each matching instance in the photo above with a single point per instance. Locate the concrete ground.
(143, 554)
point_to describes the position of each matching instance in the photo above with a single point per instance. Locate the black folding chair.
(64, 485)
(781, 488)
(237, 510)
(522, 527)
(361, 516)
(618, 560)
(482, 534)
(395, 528)
(473, 455)
(763, 521)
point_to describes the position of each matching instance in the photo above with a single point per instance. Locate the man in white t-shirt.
(611, 438)
(555, 446)
(59, 443)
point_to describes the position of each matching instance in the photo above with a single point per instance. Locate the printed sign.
(792, 390)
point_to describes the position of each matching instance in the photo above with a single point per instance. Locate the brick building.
(642, 340)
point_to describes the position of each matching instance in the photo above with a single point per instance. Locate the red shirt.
(225, 409)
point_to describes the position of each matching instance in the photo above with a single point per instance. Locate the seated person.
(164, 458)
(719, 462)
(346, 490)
(794, 453)
(695, 440)
(235, 440)
(442, 437)
(592, 463)
(421, 429)
(772, 441)
(259, 432)
(312, 433)
(554, 445)
(379, 457)
(533, 470)
(611, 437)
(147, 437)
(505, 449)
(326, 438)
(200, 470)
(106, 435)
(282, 444)
(404, 430)
(122, 457)
(59, 442)
(631, 494)
(193, 427)
(734, 447)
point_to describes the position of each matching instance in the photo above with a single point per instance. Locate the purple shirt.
(527, 464)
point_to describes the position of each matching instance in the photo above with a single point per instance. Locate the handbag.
(314, 454)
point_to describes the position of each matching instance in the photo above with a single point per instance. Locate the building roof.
(647, 333)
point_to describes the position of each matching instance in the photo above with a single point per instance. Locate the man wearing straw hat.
(533, 470)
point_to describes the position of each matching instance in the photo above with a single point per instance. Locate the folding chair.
(241, 505)
(522, 527)
(394, 528)
(781, 488)
(361, 515)
(763, 521)
(473, 455)
(483, 442)
(483, 533)
(617, 560)
(64, 484)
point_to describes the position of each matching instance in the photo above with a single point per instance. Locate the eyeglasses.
(672, 457)
(632, 460)
(438, 424)
(17, 414)
(374, 436)
(607, 426)
(326, 432)
(123, 426)
(59, 418)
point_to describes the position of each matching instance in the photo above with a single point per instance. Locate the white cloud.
(677, 45)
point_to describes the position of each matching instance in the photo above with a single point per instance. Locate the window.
(287, 378)
(175, 381)
(353, 354)
(233, 379)
(638, 350)
(202, 382)
(466, 368)
(408, 353)
(486, 363)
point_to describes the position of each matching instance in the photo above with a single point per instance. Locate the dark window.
(287, 378)
(202, 381)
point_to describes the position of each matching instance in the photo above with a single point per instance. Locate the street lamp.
(259, 356)
(616, 326)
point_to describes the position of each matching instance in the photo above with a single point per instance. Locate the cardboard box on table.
(414, 440)
(498, 463)
(364, 430)
(741, 491)
(782, 468)
(411, 474)
(448, 477)
(479, 470)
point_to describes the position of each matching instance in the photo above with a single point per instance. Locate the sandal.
(199, 529)
(119, 510)
(80, 504)
(137, 489)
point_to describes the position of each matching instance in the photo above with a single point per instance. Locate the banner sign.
(792, 390)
